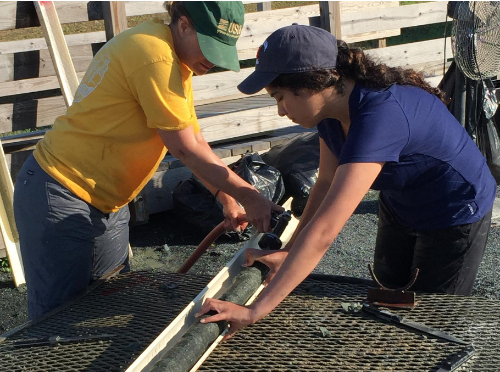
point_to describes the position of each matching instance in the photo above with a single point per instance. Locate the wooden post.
(58, 49)
(379, 43)
(7, 222)
(115, 18)
(330, 17)
(262, 7)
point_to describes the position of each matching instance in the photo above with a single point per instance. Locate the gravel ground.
(165, 243)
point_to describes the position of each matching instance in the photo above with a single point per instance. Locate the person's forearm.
(214, 173)
(316, 197)
(306, 253)
(350, 184)
(225, 199)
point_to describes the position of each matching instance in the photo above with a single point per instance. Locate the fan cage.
(475, 38)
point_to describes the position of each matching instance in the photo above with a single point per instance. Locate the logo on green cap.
(230, 29)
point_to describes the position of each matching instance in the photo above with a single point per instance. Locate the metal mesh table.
(290, 338)
(136, 307)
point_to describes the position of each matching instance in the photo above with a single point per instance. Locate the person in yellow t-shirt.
(134, 102)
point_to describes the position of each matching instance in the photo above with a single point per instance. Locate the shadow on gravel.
(367, 207)
(163, 228)
(167, 228)
(6, 282)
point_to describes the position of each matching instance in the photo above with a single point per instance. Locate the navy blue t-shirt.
(434, 175)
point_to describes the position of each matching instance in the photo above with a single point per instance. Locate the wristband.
(216, 193)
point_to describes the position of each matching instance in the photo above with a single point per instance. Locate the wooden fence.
(28, 78)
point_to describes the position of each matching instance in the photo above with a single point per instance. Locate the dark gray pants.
(65, 242)
(448, 259)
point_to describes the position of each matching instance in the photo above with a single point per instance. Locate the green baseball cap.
(218, 25)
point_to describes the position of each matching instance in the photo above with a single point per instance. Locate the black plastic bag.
(298, 162)
(264, 177)
(466, 102)
(488, 138)
(195, 204)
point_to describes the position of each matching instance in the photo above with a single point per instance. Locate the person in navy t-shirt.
(382, 128)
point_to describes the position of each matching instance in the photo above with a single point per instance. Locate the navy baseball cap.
(291, 49)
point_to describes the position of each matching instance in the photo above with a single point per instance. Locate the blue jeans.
(65, 242)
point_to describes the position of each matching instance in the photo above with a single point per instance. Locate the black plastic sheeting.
(466, 102)
(298, 162)
(197, 206)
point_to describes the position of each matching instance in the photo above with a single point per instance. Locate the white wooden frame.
(217, 286)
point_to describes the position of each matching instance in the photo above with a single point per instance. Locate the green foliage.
(4, 265)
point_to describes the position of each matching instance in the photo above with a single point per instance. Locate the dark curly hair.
(176, 10)
(353, 63)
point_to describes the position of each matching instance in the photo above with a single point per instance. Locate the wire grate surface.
(135, 307)
(290, 338)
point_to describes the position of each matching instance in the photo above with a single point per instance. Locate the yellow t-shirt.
(106, 148)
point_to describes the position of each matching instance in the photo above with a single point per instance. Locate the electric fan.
(475, 37)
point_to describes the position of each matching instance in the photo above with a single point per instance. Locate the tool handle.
(282, 223)
(454, 361)
(383, 314)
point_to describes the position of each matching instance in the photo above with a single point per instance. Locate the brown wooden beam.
(115, 18)
(330, 17)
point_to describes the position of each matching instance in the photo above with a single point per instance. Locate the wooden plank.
(18, 46)
(208, 88)
(12, 88)
(135, 8)
(81, 56)
(394, 17)
(47, 111)
(330, 17)
(212, 87)
(359, 6)
(115, 18)
(58, 49)
(412, 53)
(7, 222)
(239, 124)
(264, 6)
(68, 11)
(371, 35)
(364, 6)
(258, 26)
(217, 286)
